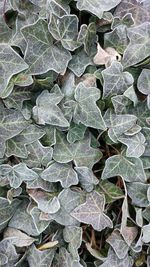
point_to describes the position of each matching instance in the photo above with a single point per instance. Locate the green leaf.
(47, 55)
(16, 174)
(138, 193)
(144, 82)
(10, 64)
(115, 80)
(96, 7)
(135, 144)
(86, 110)
(40, 258)
(64, 173)
(76, 132)
(47, 111)
(92, 212)
(110, 190)
(86, 178)
(65, 30)
(131, 170)
(80, 152)
(138, 48)
(73, 236)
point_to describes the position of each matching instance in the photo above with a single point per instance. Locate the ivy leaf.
(42, 258)
(86, 178)
(143, 82)
(138, 193)
(80, 152)
(146, 231)
(47, 202)
(140, 10)
(92, 212)
(18, 238)
(38, 155)
(10, 64)
(65, 30)
(47, 111)
(97, 7)
(76, 132)
(138, 48)
(135, 144)
(64, 173)
(8, 253)
(141, 111)
(111, 191)
(118, 244)
(17, 145)
(57, 7)
(66, 259)
(115, 80)
(16, 174)
(80, 60)
(73, 236)
(86, 110)
(47, 54)
(131, 170)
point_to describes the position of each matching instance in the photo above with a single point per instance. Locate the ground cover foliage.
(74, 133)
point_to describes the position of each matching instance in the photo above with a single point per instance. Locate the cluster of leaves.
(74, 133)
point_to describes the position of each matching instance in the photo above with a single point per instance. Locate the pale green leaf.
(86, 178)
(138, 193)
(39, 258)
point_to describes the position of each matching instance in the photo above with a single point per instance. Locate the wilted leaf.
(131, 170)
(106, 56)
(92, 212)
(47, 54)
(64, 173)
(80, 152)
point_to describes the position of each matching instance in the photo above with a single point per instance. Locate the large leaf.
(39, 258)
(97, 7)
(115, 80)
(10, 64)
(92, 212)
(47, 54)
(63, 173)
(131, 170)
(47, 111)
(138, 48)
(80, 152)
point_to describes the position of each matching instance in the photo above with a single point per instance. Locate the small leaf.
(86, 178)
(138, 193)
(131, 170)
(92, 212)
(110, 190)
(76, 132)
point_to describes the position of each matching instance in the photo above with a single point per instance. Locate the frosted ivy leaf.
(113, 260)
(142, 113)
(86, 111)
(138, 193)
(135, 144)
(73, 236)
(92, 212)
(117, 39)
(17, 174)
(48, 56)
(5, 31)
(17, 145)
(64, 173)
(144, 82)
(40, 183)
(38, 155)
(118, 124)
(127, 20)
(118, 244)
(140, 10)
(120, 103)
(90, 39)
(6, 211)
(86, 178)
(17, 237)
(10, 64)
(39, 258)
(80, 60)
(31, 227)
(115, 80)
(76, 132)
(146, 132)
(138, 48)
(65, 30)
(47, 111)
(131, 170)
(8, 254)
(96, 7)
(68, 199)
(58, 7)
(66, 259)
(80, 152)
(131, 95)
(47, 202)
(146, 233)
(133, 131)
